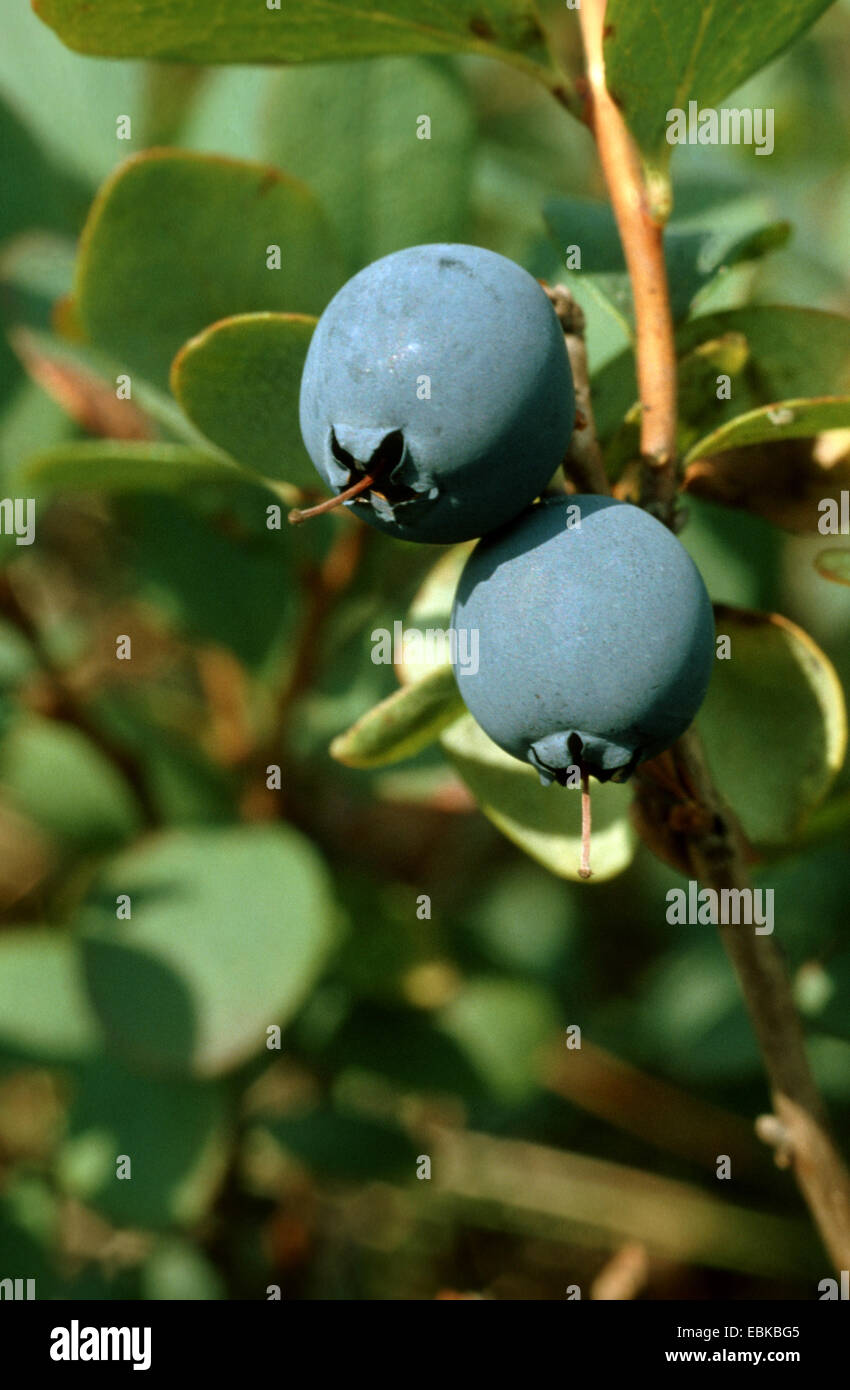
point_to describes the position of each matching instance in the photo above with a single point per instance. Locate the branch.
(681, 813)
(533, 1188)
(643, 246)
(624, 1276)
(712, 848)
(321, 585)
(584, 463)
(67, 707)
(655, 1111)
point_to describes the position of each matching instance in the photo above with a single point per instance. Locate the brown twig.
(714, 849)
(682, 811)
(66, 706)
(321, 585)
(624, 1275)
(584, 464)
(643, 246)
(655, 1111)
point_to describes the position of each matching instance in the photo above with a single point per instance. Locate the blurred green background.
(409, 1028)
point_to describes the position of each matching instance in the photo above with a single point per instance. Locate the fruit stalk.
(682, 810)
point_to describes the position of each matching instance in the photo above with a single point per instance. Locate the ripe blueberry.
(596, 641)
(440, 373)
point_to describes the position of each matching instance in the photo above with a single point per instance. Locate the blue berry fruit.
(437, 396)
(596, 640)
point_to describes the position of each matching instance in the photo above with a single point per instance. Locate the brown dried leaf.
(782, 482)
(87, 398)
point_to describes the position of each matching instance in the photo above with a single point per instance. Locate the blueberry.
(595, 641)
(441, 372)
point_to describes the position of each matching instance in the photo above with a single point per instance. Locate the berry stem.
(584, 868)
(296, 516)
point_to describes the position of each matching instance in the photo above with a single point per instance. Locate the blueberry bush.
(305, 990)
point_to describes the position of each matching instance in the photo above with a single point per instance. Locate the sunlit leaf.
(229, 930)
(239, 383)
(547, 827)
(176, 241)
(403, 724)
(661, 56)
(774, 723)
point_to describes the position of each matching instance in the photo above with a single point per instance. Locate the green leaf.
(56, 360)
(301, 31)
(33, 193)
(423, 1058)
(797, 419)
(791, 354)
(548, 828)
(695, 255)
(229, 930)
(834, 564)
(112, 466)
(173, 1133)
(45, 1015)
(177, 1271)
(239, 383)
(663, 55)
(175, 241)
(403, 724)
(830, 1061)
(54, 775)
(393, 188)
(432, 608)
(208, 577)
(502, 1026)
(774, 724)
(340, 1144)
(690, 1019)
(34, 69)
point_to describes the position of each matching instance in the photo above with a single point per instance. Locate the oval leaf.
(173, 1131)
(52, 773)
(774, 724)
(694, 255)
(797, 419)
(45, 1015)
(300, 31)
(663, 55)
(175, 241)
(548, 828)
(389, 191)
(432, 609)
(403, 724)
(834, 565)
(239, 383)
(337, 1143)
(502, 1026)
(229, 930)
(108, 465)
